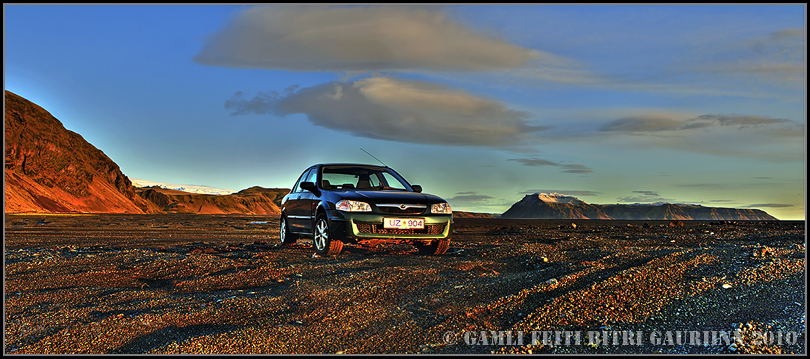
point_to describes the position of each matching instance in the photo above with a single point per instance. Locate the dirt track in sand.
(220, 284)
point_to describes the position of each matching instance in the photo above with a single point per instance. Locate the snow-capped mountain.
(553, 205)
(555, 197)
(181, 187)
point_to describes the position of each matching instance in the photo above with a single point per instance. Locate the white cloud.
(643, 197)
(566, 168)
(781, 51)
(390, 109)
(736, 135)
(648, 123)
(768, 65)
(356, 38)
(654, 122)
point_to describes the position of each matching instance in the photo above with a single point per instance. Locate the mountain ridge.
(534, 206)
(254, 201)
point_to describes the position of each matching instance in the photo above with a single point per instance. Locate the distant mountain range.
(253, 201)
(180, 187)
(560, 206)
(50, 169)
(462, 214)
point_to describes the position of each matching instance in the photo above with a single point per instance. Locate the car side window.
(312, 176)
(297, 187)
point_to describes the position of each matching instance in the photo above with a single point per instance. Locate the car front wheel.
(324, 244)
(436, 248)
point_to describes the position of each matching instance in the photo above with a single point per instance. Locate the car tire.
(324, 244)
(436, 248)
(285, 235)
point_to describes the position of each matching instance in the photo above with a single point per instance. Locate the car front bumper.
(356, 226)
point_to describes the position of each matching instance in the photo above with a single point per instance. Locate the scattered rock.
(762, 252)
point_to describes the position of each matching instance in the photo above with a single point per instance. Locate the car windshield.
(365, 178)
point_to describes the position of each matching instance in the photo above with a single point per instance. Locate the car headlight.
(352, 206)
(441, 208)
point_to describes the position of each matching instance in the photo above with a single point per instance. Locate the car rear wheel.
(285, 235)
(436, 248)
(324, 244)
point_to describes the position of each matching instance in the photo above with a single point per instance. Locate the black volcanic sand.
(221, 284)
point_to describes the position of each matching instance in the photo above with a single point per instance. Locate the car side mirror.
(309, 186)
(417, 188)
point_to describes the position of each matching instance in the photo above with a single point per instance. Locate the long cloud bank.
(358, 38)
(396, 110)
(658, 123)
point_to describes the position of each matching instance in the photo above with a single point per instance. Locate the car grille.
(396, 209)
(430, 229)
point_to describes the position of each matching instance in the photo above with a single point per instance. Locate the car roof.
(349, 165)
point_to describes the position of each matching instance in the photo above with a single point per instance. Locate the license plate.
(404, 223)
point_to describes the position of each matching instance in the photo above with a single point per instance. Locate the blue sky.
(480, 104)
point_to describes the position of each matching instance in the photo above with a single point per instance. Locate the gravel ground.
(222, 284)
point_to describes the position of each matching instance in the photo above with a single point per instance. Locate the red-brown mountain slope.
(50, 169)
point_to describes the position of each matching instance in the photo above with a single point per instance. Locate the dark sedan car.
(366, 205)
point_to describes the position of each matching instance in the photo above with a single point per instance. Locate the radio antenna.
(372, 156)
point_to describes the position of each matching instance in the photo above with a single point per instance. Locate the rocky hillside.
(543, 205)
(251, 201)
(50, 169)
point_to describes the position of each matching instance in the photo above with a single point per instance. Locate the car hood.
(392, 197)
